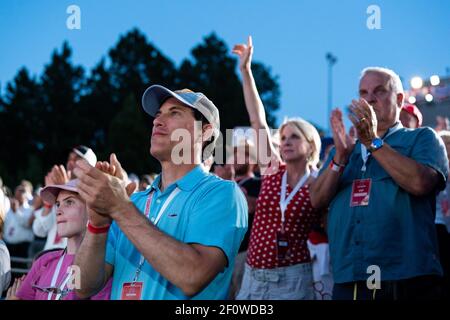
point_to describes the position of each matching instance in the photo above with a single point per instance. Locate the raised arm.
(255, 108)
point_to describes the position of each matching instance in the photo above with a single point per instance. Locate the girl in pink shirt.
(52, 276)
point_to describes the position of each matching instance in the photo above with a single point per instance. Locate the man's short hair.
(396, 83)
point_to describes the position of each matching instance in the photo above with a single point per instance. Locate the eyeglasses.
(319, 287)
(53, 290)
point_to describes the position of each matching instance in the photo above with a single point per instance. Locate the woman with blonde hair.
(278, 264)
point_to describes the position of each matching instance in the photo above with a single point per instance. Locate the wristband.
(336, 167)
(97, 230)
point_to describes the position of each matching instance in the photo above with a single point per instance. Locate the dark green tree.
(21, 129)
(136, 64)
(41, 119)
(212, 70)
(129, 138)
(62, 85)
(97, 107)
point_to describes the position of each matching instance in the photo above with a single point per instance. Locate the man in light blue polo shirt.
(381, 194)
(178, 239)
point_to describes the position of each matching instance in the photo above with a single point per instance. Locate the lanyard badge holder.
(133, 290)
(360, 195)
(59, 292)
(283, 246)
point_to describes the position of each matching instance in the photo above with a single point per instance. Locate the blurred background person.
(410, 116)
(38, 243)
(442, 123)
(6, 196)
(443, 223)
(17, 233)
(240, 168)
(28, 190)
(132, 177)
(5, 260)
(146, 181)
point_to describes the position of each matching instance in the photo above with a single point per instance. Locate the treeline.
(42, 117)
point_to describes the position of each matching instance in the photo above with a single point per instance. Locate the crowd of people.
(292, 216)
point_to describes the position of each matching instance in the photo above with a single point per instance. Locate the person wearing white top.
(17, 232)
(5, 202)
(442, 222)
(44, 225)
(17, 225)
(5, 261)
(5, 267)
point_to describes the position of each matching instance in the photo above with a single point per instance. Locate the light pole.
(331, 60)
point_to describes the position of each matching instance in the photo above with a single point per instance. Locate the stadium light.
(416, 82)
(429, 97)
(412, 99)
(434, 80)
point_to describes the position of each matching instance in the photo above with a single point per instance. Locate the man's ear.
(400, 98)
(207, 132)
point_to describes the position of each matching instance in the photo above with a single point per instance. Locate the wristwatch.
(376, 144)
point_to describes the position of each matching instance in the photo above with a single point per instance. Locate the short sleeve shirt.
(207, 211)
(41, 275)
(395, 231)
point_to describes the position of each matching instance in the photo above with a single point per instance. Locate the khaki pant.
(284, 283)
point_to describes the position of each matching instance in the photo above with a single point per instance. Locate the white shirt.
(17, 228)
(321, 266)
(45, 226)
(4, 200)
(5, 267)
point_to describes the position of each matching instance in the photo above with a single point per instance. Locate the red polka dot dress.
(300, 216)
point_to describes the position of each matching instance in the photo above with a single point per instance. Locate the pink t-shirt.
(41, 275)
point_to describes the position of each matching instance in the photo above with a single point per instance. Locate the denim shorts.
(284, 283)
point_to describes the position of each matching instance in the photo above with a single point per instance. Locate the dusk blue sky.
(291, 36)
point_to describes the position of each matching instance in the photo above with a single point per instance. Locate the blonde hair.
(311, 135)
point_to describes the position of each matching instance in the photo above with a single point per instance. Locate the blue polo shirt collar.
(186, 183)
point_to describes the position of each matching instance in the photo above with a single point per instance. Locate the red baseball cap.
(413, 110)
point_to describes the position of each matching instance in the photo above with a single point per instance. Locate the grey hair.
(396, 83)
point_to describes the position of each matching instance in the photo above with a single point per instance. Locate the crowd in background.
(300, 242)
